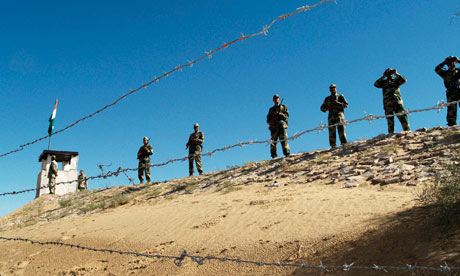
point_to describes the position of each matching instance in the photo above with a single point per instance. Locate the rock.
(378, 180)
(412, 183)
(363, 167)
(366, 162)
(345, 170)
(297, 174)
(274, 185)
(406, 177)
(369, 175)
(350, 185)
(389, 160)
(405, 167)
(392, 180)
(414, 146)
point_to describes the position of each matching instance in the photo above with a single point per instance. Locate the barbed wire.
(322, 127)
(208, 54)
(200, 260)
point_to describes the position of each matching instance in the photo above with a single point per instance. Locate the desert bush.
(118, 200)
(93, 206)
(65, 203)
(444, 194)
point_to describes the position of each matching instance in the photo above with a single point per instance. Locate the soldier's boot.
(147, 174)
(332, 137)
(391, 124)
(273, 151)
(52, 190)
(190, 173)
(190, 165)
(140, 173)
(199, 166)
(286, 150)
(404, 122)
(451, 115)
(342, 135)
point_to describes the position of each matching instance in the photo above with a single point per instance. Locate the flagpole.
(51, 127)
(49, 142)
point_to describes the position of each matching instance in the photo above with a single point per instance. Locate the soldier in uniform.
(194, 146)
(144, 160)
(277, 124)
(451, 77)
(52, 174)
(335, 104)
(392, 101)
(82, 181)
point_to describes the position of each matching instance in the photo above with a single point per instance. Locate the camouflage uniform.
(144, 162)
(335, 116)
(194, 146)
(277, 120)
(451, 79)
(392, 100)
(52, 174)
(82, 182)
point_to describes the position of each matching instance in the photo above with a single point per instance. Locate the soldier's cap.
(146, 138)
(276, 96)
(332, 85)
(196, 125)
(451, 58)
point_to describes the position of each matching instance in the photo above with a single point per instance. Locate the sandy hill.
(354, 204)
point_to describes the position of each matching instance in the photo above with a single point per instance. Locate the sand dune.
(294, 210)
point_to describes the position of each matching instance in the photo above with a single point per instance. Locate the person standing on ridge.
(144, 160)
(392, 100)
(335, 104)
(451, 77)
(194, 146)
(277, 124)
(52, 174)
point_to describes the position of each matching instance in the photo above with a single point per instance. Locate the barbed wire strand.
(200, 260)
(208, 54)
(439, 105)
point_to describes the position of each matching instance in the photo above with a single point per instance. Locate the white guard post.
(67, 164)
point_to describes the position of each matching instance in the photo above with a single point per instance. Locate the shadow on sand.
(410, 237)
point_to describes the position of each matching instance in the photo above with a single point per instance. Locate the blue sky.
(88, 53)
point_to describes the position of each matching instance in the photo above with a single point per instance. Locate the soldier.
(451, 77)
(277, 124)
(392, 101)
(82, 181)
(144, 160)
(335, 104)
(52, 174)
(194, 146)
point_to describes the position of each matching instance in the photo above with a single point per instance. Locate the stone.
(350, 185)
(297, 174)
(392, 180)
(389, 160)
(406, 167)
(406, 177)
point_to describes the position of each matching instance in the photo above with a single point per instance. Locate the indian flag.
(51, 120)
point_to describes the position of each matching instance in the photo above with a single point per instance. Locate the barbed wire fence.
(178, 68)
(200, 260)
(322, 127)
